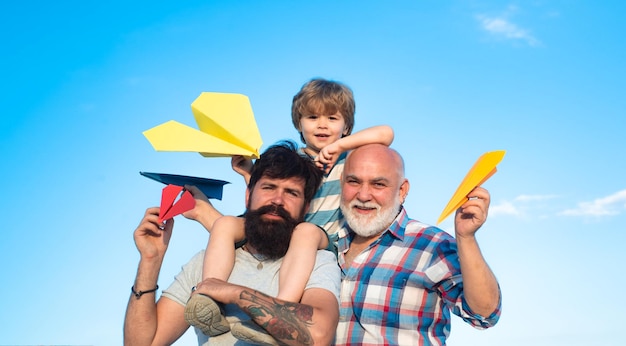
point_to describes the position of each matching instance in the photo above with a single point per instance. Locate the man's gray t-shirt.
(326, 274)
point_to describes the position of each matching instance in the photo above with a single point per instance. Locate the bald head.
(382, 154)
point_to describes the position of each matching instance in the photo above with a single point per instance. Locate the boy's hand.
(203, 212)
(327, 157)
(202, 204)
(242, 165)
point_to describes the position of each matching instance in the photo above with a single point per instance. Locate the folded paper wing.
(227, 127)
(170, 207)
(482, 170)
(212, 188)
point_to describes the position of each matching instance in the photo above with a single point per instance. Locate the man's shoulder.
(325, 256)
(325, 265)
(415, 228)
(198, 258)
(326, 273)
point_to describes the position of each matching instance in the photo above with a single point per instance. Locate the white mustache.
(366, 205)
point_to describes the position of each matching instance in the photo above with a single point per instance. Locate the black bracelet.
(140, 293)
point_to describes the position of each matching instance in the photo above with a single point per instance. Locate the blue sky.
(543, 80)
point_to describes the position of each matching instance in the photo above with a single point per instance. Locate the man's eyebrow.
(380, 180)
(372, 180)
(352, 176)
(296, 190)
(268, 183)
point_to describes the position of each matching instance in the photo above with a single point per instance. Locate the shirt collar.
(398, 225)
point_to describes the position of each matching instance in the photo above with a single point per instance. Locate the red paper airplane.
(170, 207)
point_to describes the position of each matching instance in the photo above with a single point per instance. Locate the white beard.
(370, 225)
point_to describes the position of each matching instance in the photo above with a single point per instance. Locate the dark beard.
(269, 238)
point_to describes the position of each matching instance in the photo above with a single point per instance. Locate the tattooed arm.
(312, 322)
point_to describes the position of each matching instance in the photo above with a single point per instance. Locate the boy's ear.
(345, 131)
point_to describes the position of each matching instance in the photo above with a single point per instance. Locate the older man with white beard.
(401, 278)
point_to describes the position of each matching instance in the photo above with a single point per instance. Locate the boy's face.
(321, 130)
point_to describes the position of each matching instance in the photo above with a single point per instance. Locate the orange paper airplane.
(170, 207)
(482, 170)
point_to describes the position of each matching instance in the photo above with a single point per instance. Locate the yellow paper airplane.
(227, 128)
(482, 170)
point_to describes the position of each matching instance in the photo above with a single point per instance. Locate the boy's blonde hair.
(323, 97)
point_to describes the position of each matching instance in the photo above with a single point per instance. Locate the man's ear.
(404, 190)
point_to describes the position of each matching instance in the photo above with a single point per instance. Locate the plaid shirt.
(401, 289)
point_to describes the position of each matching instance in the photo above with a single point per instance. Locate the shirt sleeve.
(326, 273)
(451, 286)
(190, 274)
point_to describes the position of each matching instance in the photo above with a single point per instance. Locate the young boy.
(323, 113)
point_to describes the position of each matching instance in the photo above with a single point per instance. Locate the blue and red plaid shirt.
(401, 289)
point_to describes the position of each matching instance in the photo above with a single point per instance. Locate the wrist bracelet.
(140, 293)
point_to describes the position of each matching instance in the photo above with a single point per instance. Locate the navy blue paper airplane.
(212, 188)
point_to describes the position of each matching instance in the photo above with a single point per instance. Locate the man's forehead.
(365, 165)
(291, 182)
(371, 165)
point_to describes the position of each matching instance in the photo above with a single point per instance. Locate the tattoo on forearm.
(285, 321)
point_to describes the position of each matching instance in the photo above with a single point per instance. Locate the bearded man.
(281, 186)
(402, 278)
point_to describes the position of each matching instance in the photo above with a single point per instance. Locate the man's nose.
(277, 198)
(363, 194)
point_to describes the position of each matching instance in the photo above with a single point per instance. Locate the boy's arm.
(242, 166)
(204, 212)
(381, 134)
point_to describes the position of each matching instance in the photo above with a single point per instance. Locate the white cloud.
(520, 205)
(504, 208)
(524, 206)
(503, 28)
(530, 198)
(606, 206)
